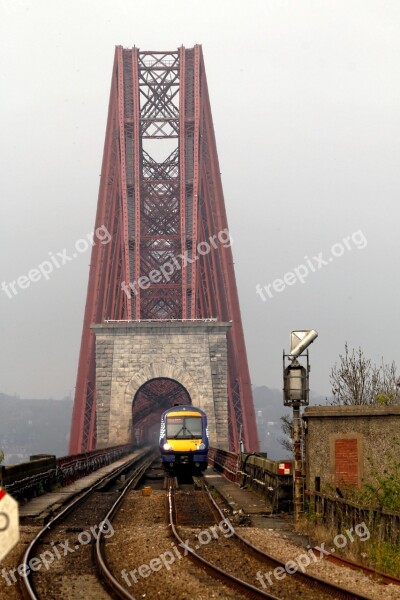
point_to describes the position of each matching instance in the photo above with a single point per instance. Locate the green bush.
(385, 556)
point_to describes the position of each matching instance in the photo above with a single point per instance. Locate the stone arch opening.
(149, 402)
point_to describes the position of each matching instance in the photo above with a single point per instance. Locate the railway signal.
(9, 523)
(295, 394)
(300, 340)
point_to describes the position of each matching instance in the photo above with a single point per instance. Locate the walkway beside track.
(39, 507)
(246, 503)
(237, 498)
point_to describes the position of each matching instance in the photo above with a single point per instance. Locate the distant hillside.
(269, 408)
(42, 426)
(33, 427)
(269, 401)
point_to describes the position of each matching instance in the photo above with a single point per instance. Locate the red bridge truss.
(161, 200)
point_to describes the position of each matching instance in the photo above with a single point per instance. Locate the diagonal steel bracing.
(160, 198)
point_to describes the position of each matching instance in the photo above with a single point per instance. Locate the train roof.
(184, 408)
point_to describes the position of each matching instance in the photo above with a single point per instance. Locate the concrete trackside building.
(345, 445)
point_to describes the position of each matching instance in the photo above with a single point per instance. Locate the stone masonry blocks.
(376, 429)
(129, 354)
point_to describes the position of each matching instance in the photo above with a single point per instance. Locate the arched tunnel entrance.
(149, 402)
(144, 367)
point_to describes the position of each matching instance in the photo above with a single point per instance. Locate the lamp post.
(296, 394)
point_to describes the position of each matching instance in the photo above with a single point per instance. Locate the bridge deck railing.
(43, 473)
(271, 479)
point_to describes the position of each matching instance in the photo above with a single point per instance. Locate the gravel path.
(71, 573)
(278, 546)
(11, 590)
(142, 536)
(218, 546)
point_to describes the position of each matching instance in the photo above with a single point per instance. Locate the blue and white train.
(184, 439)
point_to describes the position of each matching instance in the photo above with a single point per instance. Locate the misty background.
(305, 101)
(32, 426)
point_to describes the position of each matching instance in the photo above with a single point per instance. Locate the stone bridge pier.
(130, 354)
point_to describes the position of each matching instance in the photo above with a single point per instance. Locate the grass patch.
(378, 554)
(385, 556)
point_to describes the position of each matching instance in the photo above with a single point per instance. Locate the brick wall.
(346, 462)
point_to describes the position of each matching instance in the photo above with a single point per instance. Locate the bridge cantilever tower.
(161, 200)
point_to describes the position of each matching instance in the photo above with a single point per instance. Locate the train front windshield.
(184, 428)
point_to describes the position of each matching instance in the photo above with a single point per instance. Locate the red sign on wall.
(346, 462)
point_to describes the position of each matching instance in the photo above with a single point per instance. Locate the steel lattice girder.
(156, 396)
(159, 200)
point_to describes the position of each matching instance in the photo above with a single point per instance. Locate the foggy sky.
(305, 101)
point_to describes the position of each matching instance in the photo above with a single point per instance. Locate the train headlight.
(201, 446)
(167, 447)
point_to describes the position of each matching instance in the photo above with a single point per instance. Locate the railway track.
(226, 556)
(111, 581)
(85, 571)
(355, 566)
(63, 548)
(164, 567)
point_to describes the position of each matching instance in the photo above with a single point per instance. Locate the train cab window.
(183, 428)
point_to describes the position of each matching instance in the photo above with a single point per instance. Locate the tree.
(355, 380)
(1, 456)
(287, 430)
(286, 426)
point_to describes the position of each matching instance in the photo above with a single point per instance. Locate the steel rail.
(28, 587)
(311, 580)
(239, 584)
(101, 560)
(384, 578)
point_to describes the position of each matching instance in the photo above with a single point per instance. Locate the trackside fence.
(340, 514)
(271, 479)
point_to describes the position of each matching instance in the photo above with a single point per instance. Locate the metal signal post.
(296, 394)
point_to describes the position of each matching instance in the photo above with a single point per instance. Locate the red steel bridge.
(161, 196)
